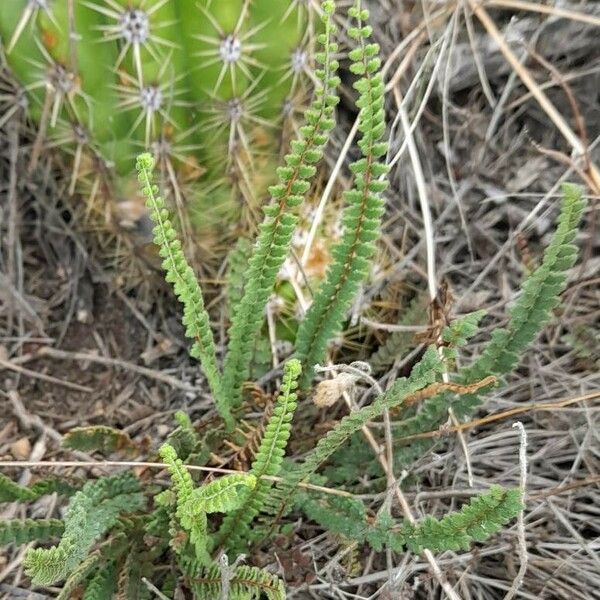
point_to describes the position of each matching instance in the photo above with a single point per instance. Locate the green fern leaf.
(21, 531)
(97, 438)
(477, 521)
(277, 229)
(221, 495)
(90, 514)
(186, 287)
(246, 583)
(539, 296)
(13, 492)
(362, 216)
(340, 515)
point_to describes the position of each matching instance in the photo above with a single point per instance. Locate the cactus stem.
(61, 85)
(13, 98)
(73, 133)
(304, 13)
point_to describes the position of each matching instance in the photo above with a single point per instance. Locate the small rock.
(163, 430)
(21, 449)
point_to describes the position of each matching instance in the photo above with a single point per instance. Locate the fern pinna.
(362, 217)
(280, 219)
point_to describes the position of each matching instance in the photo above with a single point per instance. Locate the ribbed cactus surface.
(208, 86)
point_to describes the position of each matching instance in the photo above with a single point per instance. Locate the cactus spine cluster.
(208, 86)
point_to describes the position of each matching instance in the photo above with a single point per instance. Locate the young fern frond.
(21, 531)
(192, 504)
(365, 207)
(91, 513)
(195, 526)
(280, 220)
(477, 521)
(221, 495)
(236, 526)
(186, 287)
(247, 583)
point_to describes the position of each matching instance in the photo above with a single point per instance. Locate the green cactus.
(207, 86)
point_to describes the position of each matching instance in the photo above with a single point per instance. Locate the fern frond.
(341, 515)
(103, 584)
(91, 512)
(246, 583)
(195, 525)
(21, 531)
(422, 375)
(237, 265)
(477, 521)
(186, 287)
(192, 504)
(182, 480)
(11, 491)
(280, 219)
(221, 495)
(97, 438)
(362, 216)
(235, 528)
(539, 296)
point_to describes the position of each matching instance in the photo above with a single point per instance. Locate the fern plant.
(109, 537)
